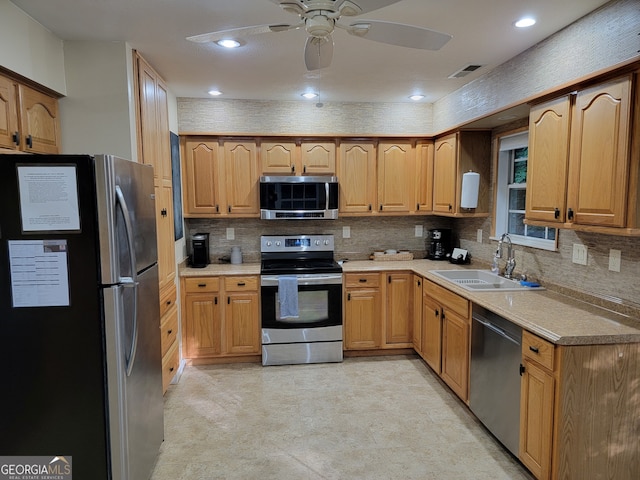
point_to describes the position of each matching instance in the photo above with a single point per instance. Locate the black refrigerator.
(80, 357)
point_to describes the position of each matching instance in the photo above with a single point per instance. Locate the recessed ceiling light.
(228, 43)
(416, 97)
(525, 22)
(215, 93)
(309, 95)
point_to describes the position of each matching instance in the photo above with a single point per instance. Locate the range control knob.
(278, 243)
(317, 242)
(326, 242)
(268, 243)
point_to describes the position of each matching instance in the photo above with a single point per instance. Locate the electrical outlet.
(231, 234)
(419, 231)
(579, 254)
(615, 258)
(346, 232)
(479, 235)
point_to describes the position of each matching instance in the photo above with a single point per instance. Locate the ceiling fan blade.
(367, 6)
(318, 52)
(242, 32)
(398, 34)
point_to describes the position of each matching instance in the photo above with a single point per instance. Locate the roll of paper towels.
(470, 189)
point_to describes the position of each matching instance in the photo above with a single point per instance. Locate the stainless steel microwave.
(296, 197)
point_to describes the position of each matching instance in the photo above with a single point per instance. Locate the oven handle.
(309, 279)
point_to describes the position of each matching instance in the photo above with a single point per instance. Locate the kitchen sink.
(481, 281)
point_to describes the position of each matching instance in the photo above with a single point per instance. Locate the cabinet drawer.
(355, 280)
(241, 284)
(537, 349)
(201, 284)
(169, 329)
(447, 298)
(170, 364)
(167, 299)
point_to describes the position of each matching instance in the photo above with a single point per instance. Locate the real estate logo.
(57, 467)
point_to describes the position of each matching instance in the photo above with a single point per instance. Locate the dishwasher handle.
(495, 329)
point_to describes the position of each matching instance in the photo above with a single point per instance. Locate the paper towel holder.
(470, 190)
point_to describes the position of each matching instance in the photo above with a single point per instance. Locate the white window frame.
(504, 164)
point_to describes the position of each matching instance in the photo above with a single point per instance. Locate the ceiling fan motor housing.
(319, 25)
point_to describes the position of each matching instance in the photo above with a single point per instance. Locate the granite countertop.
(559, 318)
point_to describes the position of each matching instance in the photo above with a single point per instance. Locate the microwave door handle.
(326, 196)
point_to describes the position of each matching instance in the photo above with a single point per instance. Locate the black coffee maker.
(439, 244)
(200, 250)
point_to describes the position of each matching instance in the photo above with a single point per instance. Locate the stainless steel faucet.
(511, 261)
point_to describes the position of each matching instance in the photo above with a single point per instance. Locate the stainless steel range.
(301, 290)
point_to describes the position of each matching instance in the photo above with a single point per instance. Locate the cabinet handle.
(217, 208)
(29, 141)
(363, 280)
(228, 300)
(450, 207)
(521, 369)
(570, 214)
(304, 169)
(369, 207)
(436, 312)
(169, 332)
(215, 300)
(417, 206)
(163, 212)
(16, 138)
(380, 207)
(293, 169)
(202, 285)
(556, 213)
(229, 208)
(389, 279)
(168, 302)
(419, 283)
(348, 297)
(534, 349)
(171, 369)
(241, 284)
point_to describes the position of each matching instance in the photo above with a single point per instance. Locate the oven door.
(319, 302)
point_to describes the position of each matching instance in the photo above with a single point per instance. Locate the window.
(511, 189)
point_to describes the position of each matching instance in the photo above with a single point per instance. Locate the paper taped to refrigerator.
(48, 198)
(39, 273)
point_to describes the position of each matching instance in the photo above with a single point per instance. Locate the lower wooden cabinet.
(446, 330)
(221, 316)
(169, 333)
(378, 310)
(417, 313)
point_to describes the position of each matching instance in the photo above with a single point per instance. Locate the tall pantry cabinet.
(154, 148)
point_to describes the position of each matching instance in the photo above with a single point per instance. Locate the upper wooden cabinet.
(220, 177)
(454, 155)
(29, 119)
(424, 177)
(580, 171)
(396, 166)
(302, 157)
(357, 177)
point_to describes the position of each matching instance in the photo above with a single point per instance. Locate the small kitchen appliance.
(200, 250)
(439, 244)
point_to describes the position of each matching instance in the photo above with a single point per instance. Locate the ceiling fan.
(320, 17)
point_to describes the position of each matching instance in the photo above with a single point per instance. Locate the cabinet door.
(39, 121)
(9, 135)
(357, 177)
(163, 163)
(549, 125)
(417, 313)
(201, 181)
(362, 320)
(278, 157)
(241, 173)
(445, 158)
(536, 419)
(148, 115)
(399, 312)
(203, 327)
(455, 353)
(165, 232)
(318, 158)
(424, 178)
(432, 333)
(396, 166)
(599, 163)
(242, 323)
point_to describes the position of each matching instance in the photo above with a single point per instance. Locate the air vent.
(464, 71)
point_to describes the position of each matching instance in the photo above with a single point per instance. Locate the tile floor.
(366, 418)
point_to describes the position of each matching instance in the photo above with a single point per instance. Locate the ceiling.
(270, 66)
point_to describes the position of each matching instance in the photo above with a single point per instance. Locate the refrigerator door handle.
(132, 281)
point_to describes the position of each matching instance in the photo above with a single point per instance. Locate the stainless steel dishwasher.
(494, 387)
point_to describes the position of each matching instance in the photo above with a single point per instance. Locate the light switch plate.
(346, 232)
(579, 254)
(231, 234)
(615, 259)
(419, 231)
(479, 235)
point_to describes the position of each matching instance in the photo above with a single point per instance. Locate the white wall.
(98, 115)
(29, 49)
